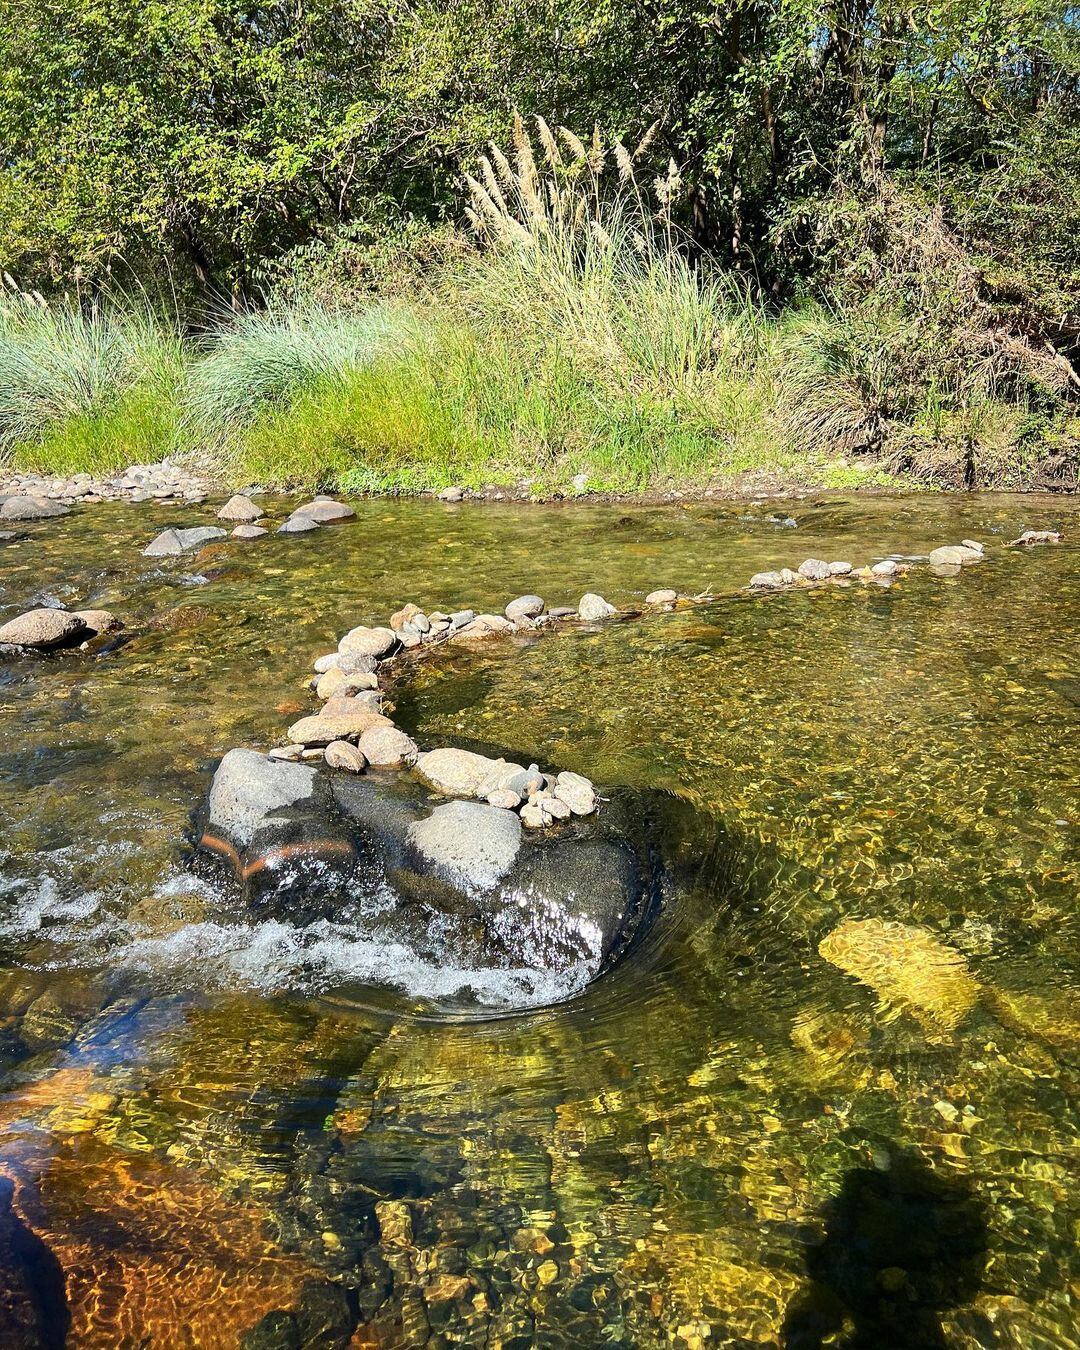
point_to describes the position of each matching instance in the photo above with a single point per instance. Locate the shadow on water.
(901, 1246)
(33, 1302)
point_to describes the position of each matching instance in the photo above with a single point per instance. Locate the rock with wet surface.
(592, 608)
(42, 629)
(1030, 537)
(170, 543)
(249, 790)
(954, 555)
(298, 525)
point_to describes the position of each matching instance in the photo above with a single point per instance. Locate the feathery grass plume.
(527, 177)
(645, 144)
(492, 185)
(596, 151)
(502, 166)
(624, 162)
(550, 146)
(574, 145)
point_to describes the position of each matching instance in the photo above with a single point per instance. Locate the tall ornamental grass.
(85, 385)
(261, 362)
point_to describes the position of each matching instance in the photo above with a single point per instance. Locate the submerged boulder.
(32, 508)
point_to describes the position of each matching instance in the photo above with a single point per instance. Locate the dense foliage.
(910, 169)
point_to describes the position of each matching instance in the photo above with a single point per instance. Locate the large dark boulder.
(457, 883)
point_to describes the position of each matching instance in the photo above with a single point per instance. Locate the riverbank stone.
(32, 508)
(170, 543)
(42, 629)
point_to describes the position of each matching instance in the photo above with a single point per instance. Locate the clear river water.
(829, 1097)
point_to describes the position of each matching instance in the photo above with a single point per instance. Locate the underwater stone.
(32, 508)
(954, 555)
(324, 511)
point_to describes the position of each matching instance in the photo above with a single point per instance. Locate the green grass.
(577, 343)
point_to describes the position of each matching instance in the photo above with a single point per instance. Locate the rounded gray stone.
(42, 628)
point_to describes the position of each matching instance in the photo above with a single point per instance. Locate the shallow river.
(772, 1123)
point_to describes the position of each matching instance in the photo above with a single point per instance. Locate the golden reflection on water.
(860, 999)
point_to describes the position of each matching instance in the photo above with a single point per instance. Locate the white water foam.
(272, 956)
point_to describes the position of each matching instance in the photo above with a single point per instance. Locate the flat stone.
(972, 543)
(42, 628)
(459, 773)
(241, 509)
(592, 608)
(664, 596)
(342, 755)
(460, 618)
(485, 625)
(766, 581)
(321, 730)
(286, 752)
(388, 748)
(363, 641)
(169, 543)
(324, 511)
(99, 621)
(524, 607)
(337, 681)
(362, 700)
(249, 531)
(469, 844)
(298, 525)
(32, 508)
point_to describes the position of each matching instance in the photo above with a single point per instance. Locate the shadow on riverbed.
(33, 1302)
(901, 1246)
